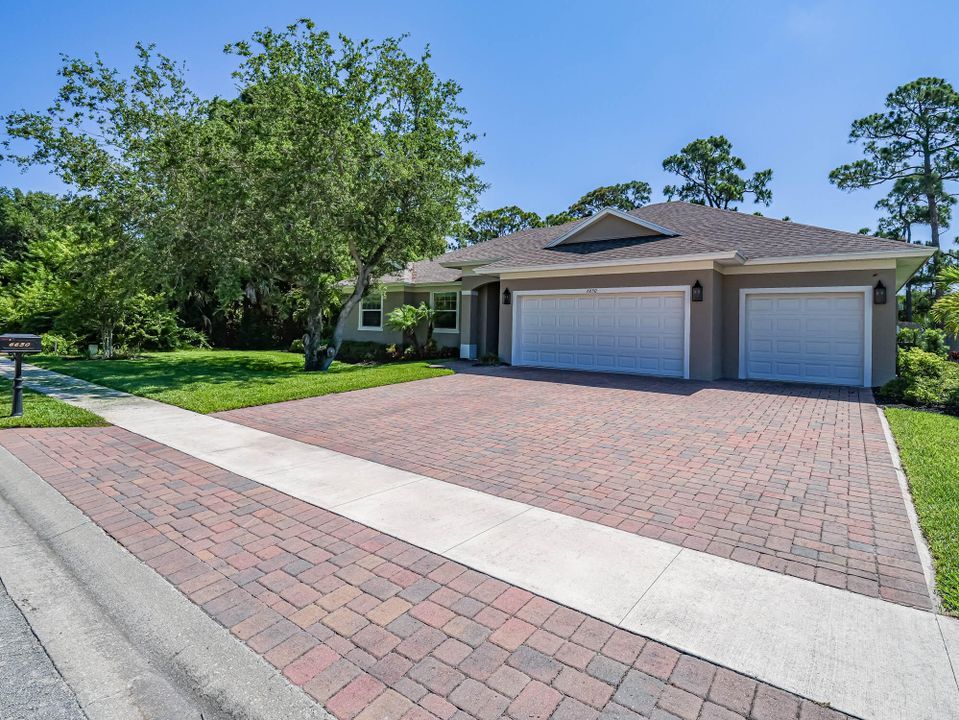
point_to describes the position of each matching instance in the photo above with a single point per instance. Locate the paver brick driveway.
(370, 626)
(794, 479)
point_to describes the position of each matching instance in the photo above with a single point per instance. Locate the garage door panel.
(629, 332)
(809, 337)
(846, 349)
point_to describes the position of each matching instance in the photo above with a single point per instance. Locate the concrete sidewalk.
(863, 656)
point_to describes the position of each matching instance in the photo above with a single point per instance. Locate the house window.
(446, 306)
(371, 313)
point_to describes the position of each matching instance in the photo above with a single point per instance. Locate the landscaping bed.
(927, 443)
(209, 381)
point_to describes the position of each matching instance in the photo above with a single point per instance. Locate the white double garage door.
(806, 336)
(605, 330)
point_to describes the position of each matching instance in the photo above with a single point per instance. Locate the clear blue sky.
(567, 95)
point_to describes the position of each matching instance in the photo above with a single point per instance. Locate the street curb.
(182, 654)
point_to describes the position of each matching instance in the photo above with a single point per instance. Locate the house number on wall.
(590, 290)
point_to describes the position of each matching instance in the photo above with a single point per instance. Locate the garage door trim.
(865, 290)
(647, 289)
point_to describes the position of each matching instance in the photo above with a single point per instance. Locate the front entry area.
(815, 337)
(609, 329)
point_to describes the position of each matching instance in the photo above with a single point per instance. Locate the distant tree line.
(710, 175)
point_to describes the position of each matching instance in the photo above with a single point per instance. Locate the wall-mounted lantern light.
(697, 292)
(879, 294)
(507, 296)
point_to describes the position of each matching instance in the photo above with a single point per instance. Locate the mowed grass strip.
(209, 381)
(40, 411)
(929, 445)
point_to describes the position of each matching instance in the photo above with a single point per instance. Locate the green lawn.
(929, 445)
(42, 411)
(212, 380)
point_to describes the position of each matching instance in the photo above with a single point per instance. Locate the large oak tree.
(342, 161)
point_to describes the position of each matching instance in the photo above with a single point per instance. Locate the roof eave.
(459, 264)
(730, 258)
(913, 252)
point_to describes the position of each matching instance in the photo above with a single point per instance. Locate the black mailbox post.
(18, 344)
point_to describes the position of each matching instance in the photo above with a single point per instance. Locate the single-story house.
(672, 289)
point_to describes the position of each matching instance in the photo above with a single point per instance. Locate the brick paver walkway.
(370, 626)
(793, 479)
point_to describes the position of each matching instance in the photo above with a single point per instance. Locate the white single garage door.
(805, 337)
(633, 332)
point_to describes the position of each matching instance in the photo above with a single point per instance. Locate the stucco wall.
(883, 316)
(702, 315)
(386, 336)
(714, 323)
(391, 300)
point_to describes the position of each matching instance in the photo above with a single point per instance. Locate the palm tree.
(406, 318)
(946, 308)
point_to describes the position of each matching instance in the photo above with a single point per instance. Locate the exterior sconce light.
(696, 294)
(879, 294)
(507, 297)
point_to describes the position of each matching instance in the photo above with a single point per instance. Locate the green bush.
(354, 351)
(54, 344)
(149, 324)
(925, 378)
(297, 346)
(952, 401)
(928, 339)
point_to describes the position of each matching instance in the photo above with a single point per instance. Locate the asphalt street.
(30, 685)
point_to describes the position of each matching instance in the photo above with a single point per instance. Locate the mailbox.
(18, 344)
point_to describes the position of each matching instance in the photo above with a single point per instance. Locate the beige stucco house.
(672, 289)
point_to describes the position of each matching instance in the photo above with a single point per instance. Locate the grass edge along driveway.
(42, 411)
(928, 445)
(208, 381)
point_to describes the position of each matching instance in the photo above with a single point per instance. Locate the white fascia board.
(732, 257)
(912, 252)
(606, 212)
(457, 264)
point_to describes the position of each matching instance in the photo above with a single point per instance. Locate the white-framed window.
(371, 312)
(446, 309)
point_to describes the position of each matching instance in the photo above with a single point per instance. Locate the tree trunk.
(414, 341)
(312, 357)
(362, 283)
(909, 301)
(933, 204)
(106, 339)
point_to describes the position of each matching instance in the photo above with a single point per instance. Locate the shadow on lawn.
(154, 373)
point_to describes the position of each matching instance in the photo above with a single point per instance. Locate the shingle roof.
(424, 272)
(700, 230)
